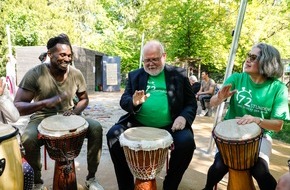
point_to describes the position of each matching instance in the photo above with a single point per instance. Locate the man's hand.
(139, 97)
(55, 100)
(179, 124)
(68, 113)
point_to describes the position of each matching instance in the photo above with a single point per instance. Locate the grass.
(284, 134)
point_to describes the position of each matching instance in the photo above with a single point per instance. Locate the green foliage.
(283, 135)
(189, 29)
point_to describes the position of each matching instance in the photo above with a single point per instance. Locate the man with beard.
(48, 89)
(157, 95)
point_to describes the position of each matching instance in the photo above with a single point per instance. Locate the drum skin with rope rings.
(63, 138)
(145, 149)
(239, 146)
(11, 173)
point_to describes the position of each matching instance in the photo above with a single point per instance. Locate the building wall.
(84, 60)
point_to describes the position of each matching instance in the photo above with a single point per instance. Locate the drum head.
(58, 125)
(146, 138)
(230, 130)
(7, 131)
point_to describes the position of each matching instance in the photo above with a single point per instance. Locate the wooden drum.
(63, 138)
(239, 146)
(11, 174)
(146, 149)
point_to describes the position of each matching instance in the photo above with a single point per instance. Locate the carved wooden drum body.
(239, 146)
(11, 174)
(146, 149)
(63, 138)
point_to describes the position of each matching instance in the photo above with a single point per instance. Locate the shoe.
(93, 184)
(38, 187)
(203, 112)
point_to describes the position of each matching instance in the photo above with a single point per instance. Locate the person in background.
(256, 96)
(10, 114)
(11, 75)
(194, 84)
(284, 182)
(42, 57)
(48, 89)
(170, 106)
(206, 91)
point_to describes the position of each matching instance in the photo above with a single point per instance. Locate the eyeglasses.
(153, 60)
(252, 57)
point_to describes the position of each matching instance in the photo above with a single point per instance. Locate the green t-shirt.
(39, 81)
(155, 111)
(267, 100)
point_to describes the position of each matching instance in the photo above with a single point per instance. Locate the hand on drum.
(226, 92)
(55, 100)
(68, 113)
(139, 97)
(179, 124)
(246, 119)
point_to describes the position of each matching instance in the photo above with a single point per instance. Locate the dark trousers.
(202, 98)
(180, 158)
(260, 172)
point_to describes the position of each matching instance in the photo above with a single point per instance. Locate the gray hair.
(153, 44)
(270, 61)
(193, 78)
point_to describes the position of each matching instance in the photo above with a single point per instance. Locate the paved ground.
(104, 107)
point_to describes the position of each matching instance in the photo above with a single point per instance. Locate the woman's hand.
(225, 92)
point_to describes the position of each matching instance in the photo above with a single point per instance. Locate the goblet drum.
(11, 174)
(239, 146)
(145, 149)
(63, 138)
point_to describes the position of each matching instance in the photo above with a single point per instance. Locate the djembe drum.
(146, 149)
(63, 138)
(239, 146)
(11, 174)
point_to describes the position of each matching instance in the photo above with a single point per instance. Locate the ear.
(49, 53)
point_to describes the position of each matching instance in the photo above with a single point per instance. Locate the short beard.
(156, 72)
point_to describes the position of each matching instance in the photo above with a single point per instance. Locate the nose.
(67, 58)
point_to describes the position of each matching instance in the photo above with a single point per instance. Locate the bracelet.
(261, 119)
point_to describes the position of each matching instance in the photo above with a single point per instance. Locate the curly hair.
(60, 39)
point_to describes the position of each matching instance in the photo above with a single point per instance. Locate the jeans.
(203, 97)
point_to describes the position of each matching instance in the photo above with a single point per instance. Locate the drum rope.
(145, 165)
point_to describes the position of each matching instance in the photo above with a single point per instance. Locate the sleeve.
(280, 107)
(9, 111)
(28, 81)
(81, 82)
(126, 101)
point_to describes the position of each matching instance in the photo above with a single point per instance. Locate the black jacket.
(182, 101)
